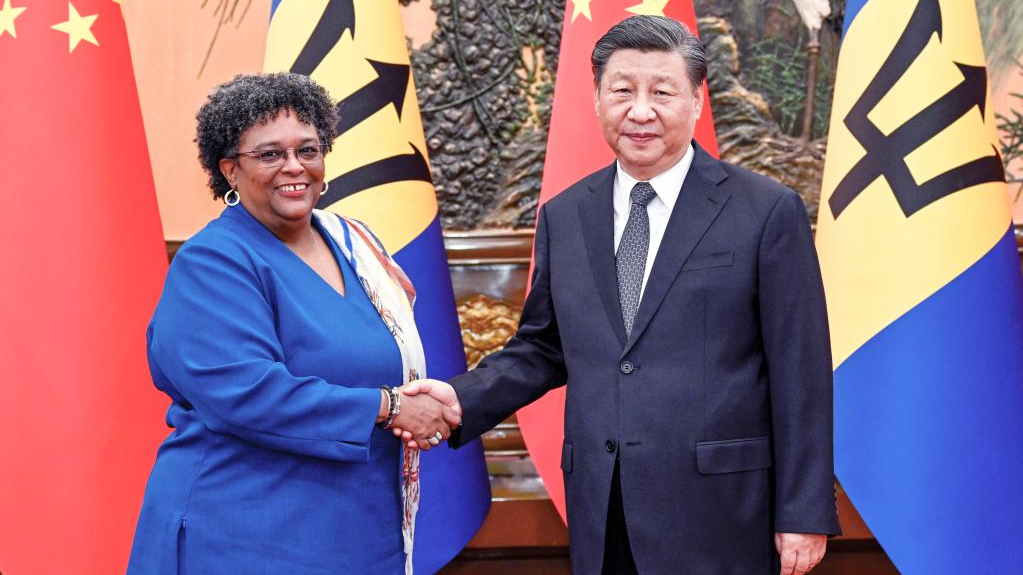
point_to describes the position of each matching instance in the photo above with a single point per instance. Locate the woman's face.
(283, 195)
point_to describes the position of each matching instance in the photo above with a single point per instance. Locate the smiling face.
(647, 110)
(280, 196)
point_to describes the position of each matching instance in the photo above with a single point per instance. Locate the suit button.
(627, 367)
(610, 446)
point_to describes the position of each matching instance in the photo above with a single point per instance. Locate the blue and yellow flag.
(379, 174)
(924, 292)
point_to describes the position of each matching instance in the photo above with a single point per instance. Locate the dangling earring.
(231, 198)
(325, 186)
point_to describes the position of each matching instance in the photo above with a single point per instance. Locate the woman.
(276, 330)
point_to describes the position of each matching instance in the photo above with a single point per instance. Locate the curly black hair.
(250, 99)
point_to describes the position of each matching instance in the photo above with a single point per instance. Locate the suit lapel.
(596, 213)
(698, 204)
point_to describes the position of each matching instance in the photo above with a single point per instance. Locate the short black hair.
(652, 33)
(249, 99)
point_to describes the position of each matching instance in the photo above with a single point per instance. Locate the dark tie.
(632, 252)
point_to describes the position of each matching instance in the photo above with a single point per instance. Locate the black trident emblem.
(389, 88)
(886, 155)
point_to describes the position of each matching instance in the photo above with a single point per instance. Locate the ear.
(228, 168)
(596, 99)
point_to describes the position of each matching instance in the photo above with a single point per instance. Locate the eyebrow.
(628, 76)
(276, 143)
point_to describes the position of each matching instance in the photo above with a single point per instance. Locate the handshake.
(428, 410)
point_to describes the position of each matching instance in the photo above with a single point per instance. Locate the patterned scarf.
(393, 296)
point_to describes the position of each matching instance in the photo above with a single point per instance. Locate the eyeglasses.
(271, 158)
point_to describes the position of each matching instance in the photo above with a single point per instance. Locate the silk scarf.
(393, 296)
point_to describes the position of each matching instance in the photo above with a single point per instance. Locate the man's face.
(647, 110)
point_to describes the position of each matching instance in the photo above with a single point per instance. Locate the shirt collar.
(667, 184)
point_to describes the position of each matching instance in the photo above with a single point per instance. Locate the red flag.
(84, 260)
(576, 148)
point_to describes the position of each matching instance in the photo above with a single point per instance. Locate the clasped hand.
(428, 407)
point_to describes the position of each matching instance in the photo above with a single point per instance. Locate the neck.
(293, 234)
(647, 173)
(644, 173)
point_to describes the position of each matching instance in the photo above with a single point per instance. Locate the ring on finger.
(438, 436)
(433, 441)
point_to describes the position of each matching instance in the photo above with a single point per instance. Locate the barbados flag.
(924, 292)
(379, 174)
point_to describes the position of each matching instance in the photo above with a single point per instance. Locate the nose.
(641, 109)
(291, 164)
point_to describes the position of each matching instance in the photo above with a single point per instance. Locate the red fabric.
(576, 148)
(83, 259)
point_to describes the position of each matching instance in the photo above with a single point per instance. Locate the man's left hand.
(800, 552)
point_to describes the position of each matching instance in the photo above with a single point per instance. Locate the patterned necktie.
(632, 252)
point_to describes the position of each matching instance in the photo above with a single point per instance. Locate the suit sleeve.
(214, 340)
(798, 356)
(529, 365)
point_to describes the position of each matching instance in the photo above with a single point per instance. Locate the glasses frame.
(255, 154)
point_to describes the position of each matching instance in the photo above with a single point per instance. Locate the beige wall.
(170, 40)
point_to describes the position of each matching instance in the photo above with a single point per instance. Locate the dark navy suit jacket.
(718, 406)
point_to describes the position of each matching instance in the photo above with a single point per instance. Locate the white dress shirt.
(668, 185)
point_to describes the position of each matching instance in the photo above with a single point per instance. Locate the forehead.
(284, 127)
(630, 63)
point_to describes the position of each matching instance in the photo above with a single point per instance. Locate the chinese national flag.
(84, 259)
(576, 148)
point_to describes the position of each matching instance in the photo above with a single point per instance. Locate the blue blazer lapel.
(596, 215)
(699, 203)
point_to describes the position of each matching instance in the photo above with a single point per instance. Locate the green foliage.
(777, 68)
(1011, 139)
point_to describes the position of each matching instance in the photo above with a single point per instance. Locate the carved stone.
(485, 84)
(487, 324)
(747, 133)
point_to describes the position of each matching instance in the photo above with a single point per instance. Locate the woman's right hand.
(421, 417)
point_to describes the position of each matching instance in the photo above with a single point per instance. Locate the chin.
(643, 163)
(644, 156)
(294, 211)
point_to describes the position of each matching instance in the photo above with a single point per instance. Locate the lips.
(641, 137)
(292, 190)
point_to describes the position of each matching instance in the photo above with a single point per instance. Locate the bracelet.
(393, 406)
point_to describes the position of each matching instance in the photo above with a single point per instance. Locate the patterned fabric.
(393, 296)
(632, 252)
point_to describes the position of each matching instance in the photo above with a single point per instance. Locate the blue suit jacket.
(718, 406)
(275, 464)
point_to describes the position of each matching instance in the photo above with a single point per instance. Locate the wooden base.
(842, 558)
(527, 537)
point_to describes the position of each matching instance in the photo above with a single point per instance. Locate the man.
(680, 299)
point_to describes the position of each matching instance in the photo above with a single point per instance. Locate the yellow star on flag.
(581, 7)
(77, 28)
(649, 7)
(7, 16)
